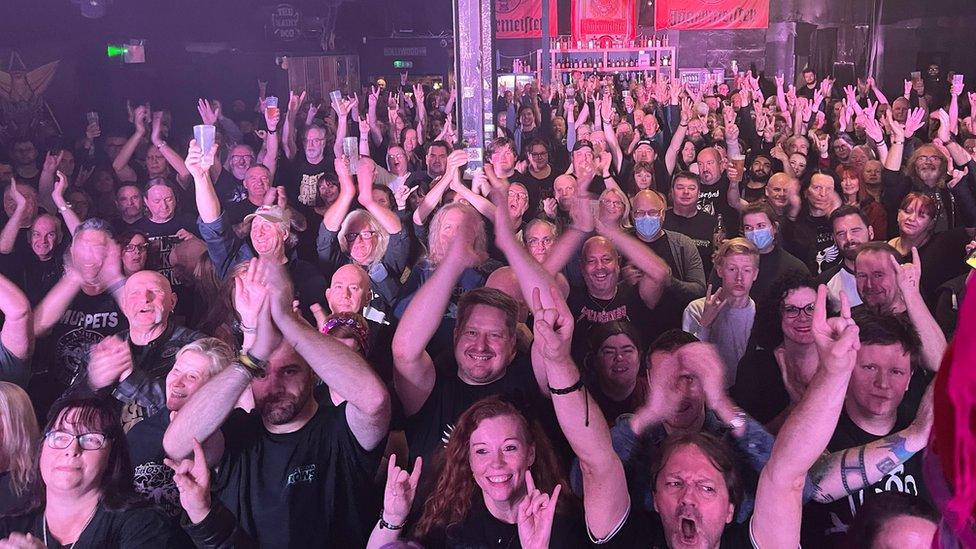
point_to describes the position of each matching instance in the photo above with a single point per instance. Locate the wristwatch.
(738, 420)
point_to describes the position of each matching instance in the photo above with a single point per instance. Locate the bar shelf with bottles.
(634, 58)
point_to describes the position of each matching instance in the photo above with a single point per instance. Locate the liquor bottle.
(719, 234)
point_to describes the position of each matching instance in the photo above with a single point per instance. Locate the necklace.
(83, 528)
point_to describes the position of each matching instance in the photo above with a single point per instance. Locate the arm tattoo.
(896, 445)
(845, 468)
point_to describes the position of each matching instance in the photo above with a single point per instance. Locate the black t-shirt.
(141, 527)
(943, 258)
(162, 239)
(644, 529)
(309, 488)
(589, 311)
(301, 179)
(151, 477)
(671, 305)
(538, 189)
(811, 239)
(824, 525)
(229, 189)
(237, 211)
(63, 352)
(10, 502)
(759, 387)
(713, 199)
(429, 429)
(481, 529)
(40, 276)
(700, 228)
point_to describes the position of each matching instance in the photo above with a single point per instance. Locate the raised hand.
(401, 488)
(956, 176)
(192, 479)
(373, 98)
(553, 326)
(198, 163)
(250, 291)
(714, 304)
(363, 126)
(140, 115)
(110, 362)
(52, 161)
(908, 274)
(209, 112)
(403, 193)
(915, 120)
(703, 362)
(295, 101)
(780, 81)
(836, 338)
(535, 515)
(20, 201)
(873, 129)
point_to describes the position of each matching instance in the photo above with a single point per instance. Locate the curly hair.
(455, 489)
(767, 331)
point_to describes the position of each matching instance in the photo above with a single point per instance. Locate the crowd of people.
(659, 315)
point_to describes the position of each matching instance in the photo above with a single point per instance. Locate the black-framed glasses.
(131, 248)
(792, 311)
(365, 235)
(59, 440)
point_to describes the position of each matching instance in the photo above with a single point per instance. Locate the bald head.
(504, 280)
(147, 301)
(349, 290)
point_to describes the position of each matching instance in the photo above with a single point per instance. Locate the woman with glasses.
(81, 495)
(371, 237)
(135, 251)
(18, 436)
(615, 208)
(781, 357)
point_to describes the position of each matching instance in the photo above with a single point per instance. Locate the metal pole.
(546, 61)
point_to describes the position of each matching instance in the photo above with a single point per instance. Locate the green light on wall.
(114, 50)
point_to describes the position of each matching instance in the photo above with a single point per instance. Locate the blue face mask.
(762, 238)
(648, 225)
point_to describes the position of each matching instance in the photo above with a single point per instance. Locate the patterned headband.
(360, 329)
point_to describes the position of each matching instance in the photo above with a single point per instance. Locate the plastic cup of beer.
(739, 161)
(336, 96)
(205, 135)
(350, 148)
(271, 106)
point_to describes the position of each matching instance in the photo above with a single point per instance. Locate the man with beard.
(713, 198)
(294, 474)
(229, 184)
(133, 364)
(268, 234)
(753, 186)
(926, 171)
(304, 167)
(886, 287)
(483, 362)
(851, 230)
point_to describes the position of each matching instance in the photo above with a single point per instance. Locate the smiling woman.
(483, 482)
(82, 492)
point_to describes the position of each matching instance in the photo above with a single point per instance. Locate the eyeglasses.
(929, 158)
(539, 154)
(546, 240)
(59, 440)
(396, 156)
(132, 248)
(365, 235)
(241, 157)
(518, 196)
(792, 311)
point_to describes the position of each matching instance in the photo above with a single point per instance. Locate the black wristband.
(255, 366)
(571, 389)
(387, 526)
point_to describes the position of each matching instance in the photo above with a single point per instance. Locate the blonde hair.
(19, 435)
(735, 246)
(625, 218)
(382, 236)
(217, 352)
(437, 250)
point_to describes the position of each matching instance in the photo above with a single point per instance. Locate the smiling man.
(152, 341)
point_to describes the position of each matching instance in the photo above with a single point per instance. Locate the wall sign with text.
(523, 18)
(597, 19)
(711, 14)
